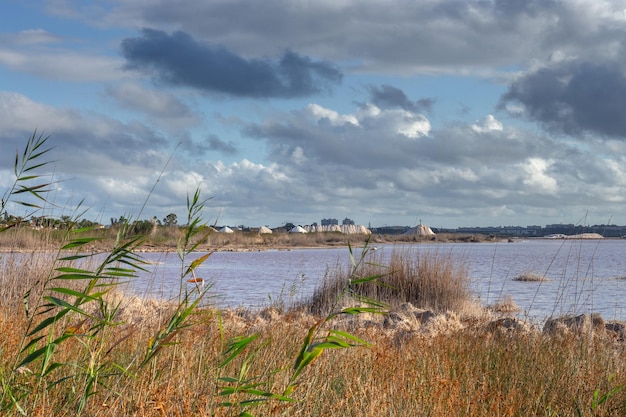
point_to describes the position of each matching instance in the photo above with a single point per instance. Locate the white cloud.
(298, 156)
(161, 108)
(489, 123)
(18, 112)
(377, 159)
(501, 212)
(53, 57)
(86, 143)
(368, 111)
(318, 112)
(617, 170)
(32, 37)
(6, 178)
(156, 103)
(414, 126)
(181, 184)
(440, 36)
(420, 178)
(250, 169)
(126, 190)
(537, 178)
(313, 171)
(409, 124)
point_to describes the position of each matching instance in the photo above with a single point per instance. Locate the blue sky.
(458, 113)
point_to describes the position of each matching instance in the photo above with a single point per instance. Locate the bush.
(427, 280)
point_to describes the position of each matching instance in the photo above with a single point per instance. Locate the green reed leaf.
(62, 303)
(236, 346)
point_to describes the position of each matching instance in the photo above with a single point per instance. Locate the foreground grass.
(455, 369)
(466, 373)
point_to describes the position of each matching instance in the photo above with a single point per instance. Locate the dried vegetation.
(401, 339)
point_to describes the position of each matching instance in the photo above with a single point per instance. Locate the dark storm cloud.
(387, 96)
(178, 59)
(405, 36)
(574, 98)
(216, 144)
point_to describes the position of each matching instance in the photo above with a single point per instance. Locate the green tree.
(86, 223)
(170, 220)
(142, 227)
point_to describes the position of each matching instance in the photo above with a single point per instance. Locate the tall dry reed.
(428, 280)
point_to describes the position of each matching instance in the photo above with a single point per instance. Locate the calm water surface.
(584, 275)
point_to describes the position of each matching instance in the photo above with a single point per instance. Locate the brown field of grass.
(453, 362)
(164, 238)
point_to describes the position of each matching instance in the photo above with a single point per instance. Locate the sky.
(389, 112)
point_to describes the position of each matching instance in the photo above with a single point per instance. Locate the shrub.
(427, 280)
(529, 276)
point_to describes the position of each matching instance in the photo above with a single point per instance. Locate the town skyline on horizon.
(173, 219)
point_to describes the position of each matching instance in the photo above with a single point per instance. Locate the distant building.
(499, 231)
(389, 230)
(347, 222)
(329, 222)
(560, 226)
(606, 230)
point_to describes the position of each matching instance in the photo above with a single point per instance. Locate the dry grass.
(256, 241)
(430, 281)
(530, 277)
(505, 305)
(411, 370)
(25, 238)
(463, 373)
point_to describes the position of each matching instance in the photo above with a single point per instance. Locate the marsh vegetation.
(23, 237)
(404, 338)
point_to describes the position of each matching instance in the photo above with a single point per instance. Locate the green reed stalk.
(69, 304)
(243, 392)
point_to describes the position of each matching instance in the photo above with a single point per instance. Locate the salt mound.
(585, 236)
(264, 230)
(420, 230)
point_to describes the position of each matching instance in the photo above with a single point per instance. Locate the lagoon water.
(583, 275)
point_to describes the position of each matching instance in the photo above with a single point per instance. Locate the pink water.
(584, 275)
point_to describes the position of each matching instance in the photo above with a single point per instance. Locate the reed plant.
(428, 280)
(67, 305)
(470, 373)
(68, 339)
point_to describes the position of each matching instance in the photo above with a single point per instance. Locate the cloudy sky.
(458, 113)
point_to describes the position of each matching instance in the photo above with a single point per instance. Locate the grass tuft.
(426, 280)
(531, 277)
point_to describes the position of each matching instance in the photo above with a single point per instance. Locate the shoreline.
(283, 242)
